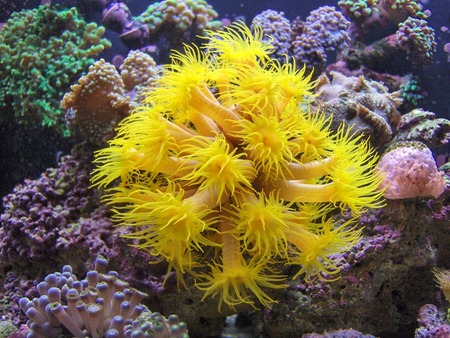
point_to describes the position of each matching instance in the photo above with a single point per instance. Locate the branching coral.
(380, 15)
(43, 51)
(225, 166)
(417, 38)
(165, 23)
(101, 305)
(324, 30)
(278, 27)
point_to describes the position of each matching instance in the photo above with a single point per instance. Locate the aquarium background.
(394, 280)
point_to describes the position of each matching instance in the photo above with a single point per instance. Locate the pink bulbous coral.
(410, 171)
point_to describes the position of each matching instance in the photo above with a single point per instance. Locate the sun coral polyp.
(233, 170)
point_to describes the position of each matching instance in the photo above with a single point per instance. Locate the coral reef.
(101, 305)
(42, 51)
(165, 24)
(339, 334)
(388, 36)
(431, 323)
(417, 38)
(364, 104)
(324, 30)
(97, 103)
(409, 171)
(424, 126)
(102, 98)
(277, 31)
(220, 196)
(205, 177)
(373, 18)
(400, 243)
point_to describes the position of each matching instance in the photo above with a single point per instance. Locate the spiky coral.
(226, 167)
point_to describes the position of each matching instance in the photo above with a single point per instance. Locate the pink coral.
(410, 171)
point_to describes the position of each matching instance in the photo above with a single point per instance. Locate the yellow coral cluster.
(227, 166)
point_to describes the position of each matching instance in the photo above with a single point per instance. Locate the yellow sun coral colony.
(226, 165)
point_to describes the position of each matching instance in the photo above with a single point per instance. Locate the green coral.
(358, 9)
(42, 52)
(417, 38)
(181, 14)
(6, 329)
(412, 94)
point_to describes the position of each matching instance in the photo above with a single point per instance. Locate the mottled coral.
(423, 126)
(431, 323)
(412, 93)
(182, 15)
(12, 288)
(101, 305)
(165, 23)
(42, 51)
(365, 104)
(103, 97)
(6, 328)
(97, 103)
(357, 10)
(417, 38)
(277, 31)
(57, 218)
(375, 18)
(401, 242)
(40, 221)
(409, 171)
(324, 30)
(138, 69)
(350, 333)
(155, 325)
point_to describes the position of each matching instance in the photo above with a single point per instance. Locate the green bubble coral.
(226, 166)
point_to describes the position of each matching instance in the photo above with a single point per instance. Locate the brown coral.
(364, 104)
(424, 126)
(138, 69)
(97, 103)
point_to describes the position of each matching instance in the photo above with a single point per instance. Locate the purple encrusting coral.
(57, 219)
(41, 218)
(431, 323)
(101, 305)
